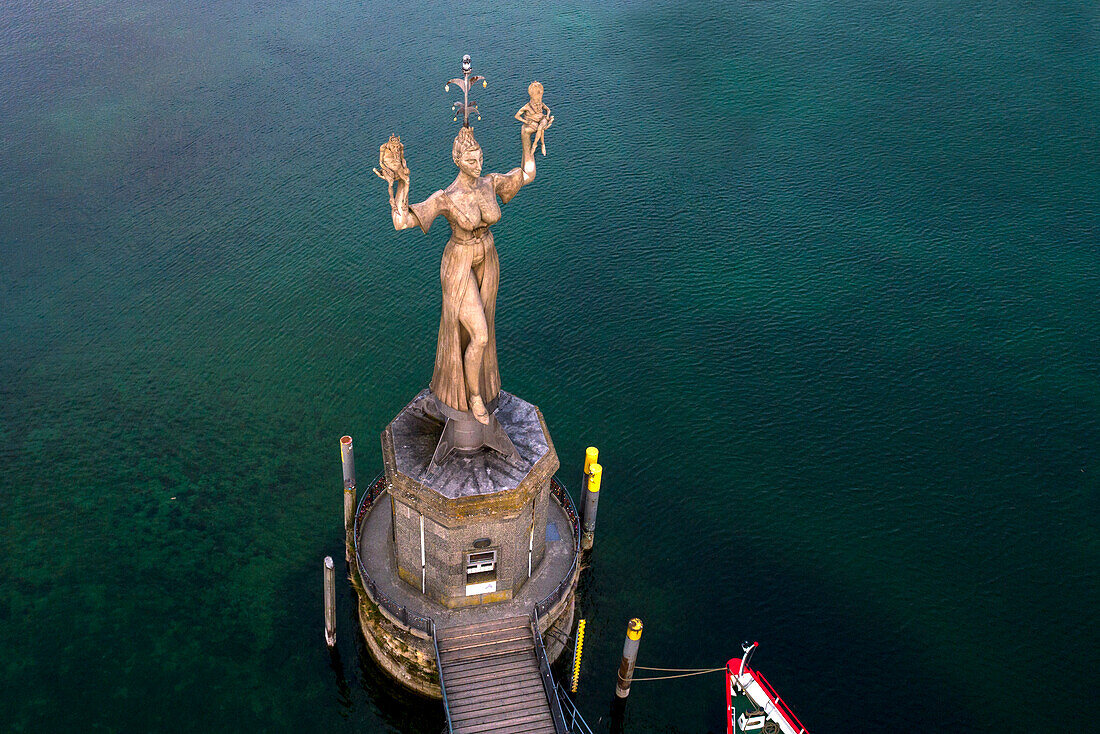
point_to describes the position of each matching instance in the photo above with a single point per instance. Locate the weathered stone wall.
(510, 534)
(513, 521)
(541, 508)
(411, 660)
(405, 657)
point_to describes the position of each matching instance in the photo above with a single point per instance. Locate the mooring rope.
(678, 670)
(681, 675)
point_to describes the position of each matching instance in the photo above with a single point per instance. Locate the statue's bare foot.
(477, 407)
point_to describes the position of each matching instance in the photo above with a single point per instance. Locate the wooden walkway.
(493, 680)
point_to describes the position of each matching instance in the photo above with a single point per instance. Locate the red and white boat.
(752, 705)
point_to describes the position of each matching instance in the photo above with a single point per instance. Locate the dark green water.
(821, 280)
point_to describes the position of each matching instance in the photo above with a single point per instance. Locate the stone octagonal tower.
(472, 530)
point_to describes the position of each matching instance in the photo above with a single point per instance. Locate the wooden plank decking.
(491, 674)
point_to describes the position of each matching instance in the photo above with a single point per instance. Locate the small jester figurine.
(535, 116)
(391, 159)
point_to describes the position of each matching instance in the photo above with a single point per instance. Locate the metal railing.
(778, 703)
(559, 493)
(577, 724)
(548, 683)
(442, 687)
(399, 612)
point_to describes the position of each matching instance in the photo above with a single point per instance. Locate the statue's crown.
(466, 106)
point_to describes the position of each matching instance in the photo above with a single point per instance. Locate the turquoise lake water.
(820, 280)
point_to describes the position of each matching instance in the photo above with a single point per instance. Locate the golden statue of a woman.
(466, 378)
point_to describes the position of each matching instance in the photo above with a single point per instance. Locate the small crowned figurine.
(535, 116)
(391, 159)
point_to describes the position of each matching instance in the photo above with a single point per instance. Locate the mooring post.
(591, 456)
(591, 500)
(330, 601)
(630, 656)
(347, 459)
(349, 520)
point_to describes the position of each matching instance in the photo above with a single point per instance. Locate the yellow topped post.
(630, 657)
(594, 475)
(591, 456)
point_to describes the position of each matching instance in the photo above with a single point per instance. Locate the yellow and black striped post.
(577, 656)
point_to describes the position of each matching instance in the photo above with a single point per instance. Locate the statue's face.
(470, 162)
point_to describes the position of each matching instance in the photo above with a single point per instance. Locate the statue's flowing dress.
(470, 249)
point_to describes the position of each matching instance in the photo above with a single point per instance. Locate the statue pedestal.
(464, 433)
(470, 528)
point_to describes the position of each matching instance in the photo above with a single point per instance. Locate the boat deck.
(751, 698)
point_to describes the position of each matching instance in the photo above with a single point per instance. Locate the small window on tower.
(481, 572)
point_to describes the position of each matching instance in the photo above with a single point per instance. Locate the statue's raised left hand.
(391, 159)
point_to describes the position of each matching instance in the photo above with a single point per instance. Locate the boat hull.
(753, 706)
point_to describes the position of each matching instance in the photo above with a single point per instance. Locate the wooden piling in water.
(630, 657)
(347, 460)
(349, 520)
(330, 601)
